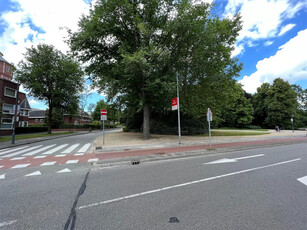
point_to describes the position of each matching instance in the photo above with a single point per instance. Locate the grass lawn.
(32, 135)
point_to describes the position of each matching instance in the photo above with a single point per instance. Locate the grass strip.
(30, 136)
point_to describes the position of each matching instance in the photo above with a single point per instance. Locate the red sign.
(103, 112)
(174, 103)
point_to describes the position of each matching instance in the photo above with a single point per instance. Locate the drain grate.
(135, 162)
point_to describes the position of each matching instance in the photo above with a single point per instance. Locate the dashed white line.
(39, 150)
(247, 157)
(84, 148)
(93, 160)
(60, 155)
(2, 176)
(55, 149)
(303, 180)
(17, 158)
(20, 166)
(48, 163)
(36, 173)
(72, 161)
(1, 166)
(71, 148)
(79, 154)
(38, 157)
(185, 184)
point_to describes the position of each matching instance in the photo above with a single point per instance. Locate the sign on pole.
(175, 103)
(103, 117)
(103, 112)
(209, 118)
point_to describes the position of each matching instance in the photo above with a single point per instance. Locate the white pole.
(103, 131)
(209, 117)
(179, 130)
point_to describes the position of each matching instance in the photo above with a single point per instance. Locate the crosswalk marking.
(72, 161)
(22, 151)
(48, 163)
(60, 155)
(12, 150)
(39, 150)
(64, 170)
(38, 157)
(84, 148)
(1, 166)
(79, 154)
(17, 158)
(20, 166)
(71, 148)
(55, 149)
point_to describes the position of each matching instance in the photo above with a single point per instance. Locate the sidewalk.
(124, 147)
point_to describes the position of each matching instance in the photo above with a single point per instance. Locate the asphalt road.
(254, 189)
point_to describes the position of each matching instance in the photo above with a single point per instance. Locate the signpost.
(103, 118)
(175, 106)
(174, 103)
(209, 118)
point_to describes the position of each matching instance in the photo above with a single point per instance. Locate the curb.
(177, 155)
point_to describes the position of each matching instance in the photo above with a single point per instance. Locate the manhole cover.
(173, 220)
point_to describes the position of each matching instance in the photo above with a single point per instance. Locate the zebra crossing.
(40, 151)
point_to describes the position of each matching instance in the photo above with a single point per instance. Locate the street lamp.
(292, 123)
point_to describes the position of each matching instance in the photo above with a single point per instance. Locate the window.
(36, 120)
(24, 113)
(23, 124)
(8, 69)
(10, 92)
(8, 109)
(41, 120)
(6, 123)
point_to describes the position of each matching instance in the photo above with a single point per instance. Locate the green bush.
(31, 129)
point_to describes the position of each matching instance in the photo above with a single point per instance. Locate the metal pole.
(210, 133)
(15, 116)
(103, 131)
(179, 130)
(292, 124)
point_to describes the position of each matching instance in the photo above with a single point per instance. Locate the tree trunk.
(49, 119)
(146, 119)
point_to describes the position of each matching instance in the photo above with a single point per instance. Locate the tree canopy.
(51, 76)
(134, 49)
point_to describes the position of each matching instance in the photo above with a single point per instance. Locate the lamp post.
(15, 115)
(179, 130)
(292, 123)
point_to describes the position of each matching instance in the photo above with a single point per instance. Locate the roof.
(37, 113)
(25, 104)
(2, 59)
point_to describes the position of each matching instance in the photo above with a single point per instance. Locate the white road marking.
(23, 151)
(11, 150)
(60, 155)
(84, 148)
(71, 148)
(7, 223)
(17, 158)
(226, 160)
(92, 160)
(247, 157)
(1, 166)
(48, 163)
(72, 161)
(2, 176)
(185, 184)
(64, 171)
(79, 154)
(303, 180)
(39, 150)
(20, 166)
(36, 173)
(55, 149)
(38, 157)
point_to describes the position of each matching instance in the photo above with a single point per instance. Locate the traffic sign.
(103, 112)
(103, 117)
(209, 115)
(174, 103)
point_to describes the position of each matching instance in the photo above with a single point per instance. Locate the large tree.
(51, 76)
(135, 47)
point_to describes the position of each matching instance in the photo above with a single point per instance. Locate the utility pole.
(292, 123)
(179, 130)
(15, 115)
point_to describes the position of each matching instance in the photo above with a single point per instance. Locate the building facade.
(9, 97)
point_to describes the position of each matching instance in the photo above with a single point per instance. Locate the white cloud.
(268, 43)
(33, 102)
(50, 16)
(262, 19)
(289, 63)
(285, 29)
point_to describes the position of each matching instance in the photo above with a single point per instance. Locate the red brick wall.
(3, 71)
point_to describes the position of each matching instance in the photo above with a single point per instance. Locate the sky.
(271, 44)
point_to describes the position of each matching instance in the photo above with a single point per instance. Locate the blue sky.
(271, 44)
